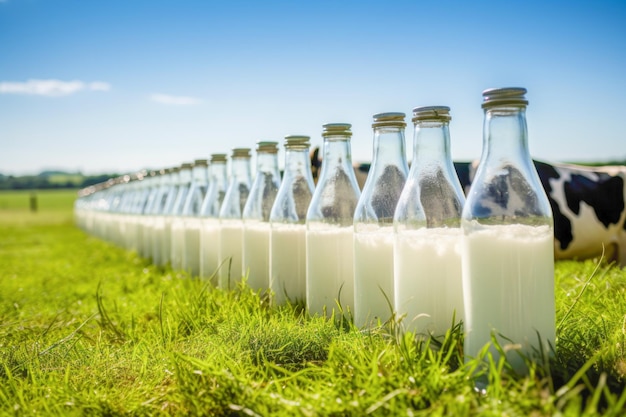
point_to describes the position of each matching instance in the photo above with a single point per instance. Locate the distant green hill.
(51, 180)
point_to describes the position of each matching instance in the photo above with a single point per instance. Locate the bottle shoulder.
(507, 190)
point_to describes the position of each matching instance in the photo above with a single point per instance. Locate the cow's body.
(588, 209)
(588, 204)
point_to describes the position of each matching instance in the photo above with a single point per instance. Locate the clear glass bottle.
(209, 215)
(508, 249)
(177, 225)
(427, 223)
(329, 220)
(373, 222)
(149, 213)
(231, 225)
(191, 216)
(147, 221)
(256, 215)
(288, 223)
(160, 224)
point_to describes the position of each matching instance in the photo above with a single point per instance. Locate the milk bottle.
(256, 215)
(427, 254)
(373, 222)
(231, 225)
(177, 224)
(209, 216)
(287, 223)
(329, 221)
(191, 217)
(160, 223)
(508, 259)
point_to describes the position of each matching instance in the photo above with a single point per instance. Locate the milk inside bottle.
(288, 262)
(231, 243)
(429, 291)
(209, 247)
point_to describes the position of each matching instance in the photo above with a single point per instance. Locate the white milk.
(508, 283)
(209, 247)
(330, 269)
(138, 233)
(158, 238)
(177, 228)
(229, 255)
(288, 262)
(373, 276)
(191, 246)
(147, 236)
(256, 254)
(428, 280)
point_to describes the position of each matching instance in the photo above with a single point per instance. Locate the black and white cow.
(588, 205)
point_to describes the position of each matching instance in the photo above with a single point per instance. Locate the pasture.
(89, 329)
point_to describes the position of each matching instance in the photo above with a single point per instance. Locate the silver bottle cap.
(510, 96)
(434, 113)
(393, 119)
(337, 129)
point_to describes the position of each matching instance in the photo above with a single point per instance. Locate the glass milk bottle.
(508, 252)
(177, 225)
(160, 223)
(231, 225)
(427, 250)
(329, 220)
(256, 216)
(209, 215)
(148, 214)
(373, 222)
(288, 224)
(191, 217)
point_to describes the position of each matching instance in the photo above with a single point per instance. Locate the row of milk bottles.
(409, 244)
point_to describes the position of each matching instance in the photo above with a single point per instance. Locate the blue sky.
(102, 86)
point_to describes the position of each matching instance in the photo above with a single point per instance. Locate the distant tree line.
(47, 180)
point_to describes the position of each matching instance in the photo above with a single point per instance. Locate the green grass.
(87, 328)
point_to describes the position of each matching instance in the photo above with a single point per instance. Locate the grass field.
(89, 329)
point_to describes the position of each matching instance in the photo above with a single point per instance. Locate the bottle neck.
(389, 147)
(297, 163)
(431, 145)
(337, 154)
(240, 171)
(505, 135)
(184, 177)
(199, 175)
(218, 172)
(267, 163)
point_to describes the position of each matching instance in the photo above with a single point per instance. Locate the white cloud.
(175, 100)
(51, 88)
(99, 86)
